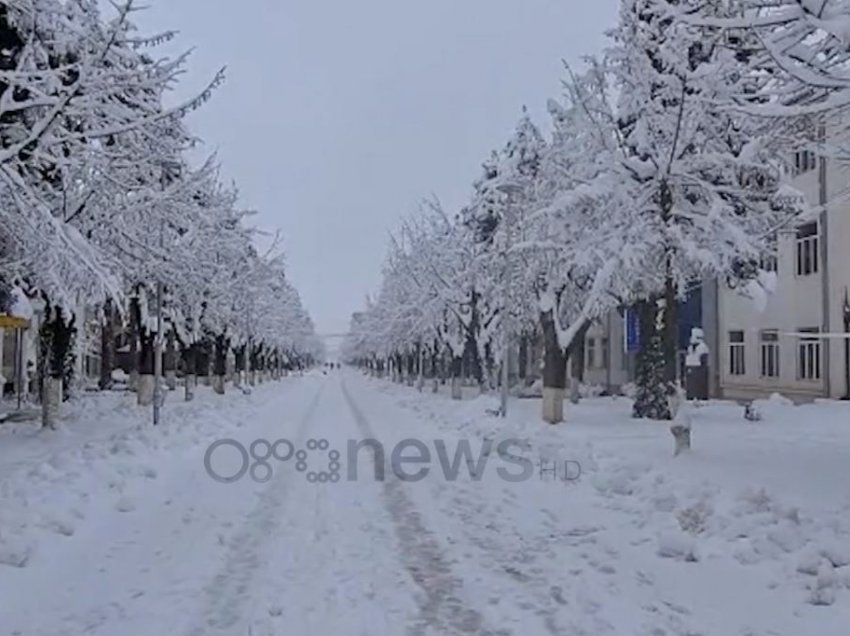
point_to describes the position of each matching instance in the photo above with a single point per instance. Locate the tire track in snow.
(442, 611)
(225, 610)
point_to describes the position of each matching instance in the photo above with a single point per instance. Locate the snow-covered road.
(185, 554)
(167, 549)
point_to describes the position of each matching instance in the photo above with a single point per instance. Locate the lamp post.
(508, 189)
(846, 343)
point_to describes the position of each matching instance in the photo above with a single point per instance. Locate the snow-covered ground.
(111, 527)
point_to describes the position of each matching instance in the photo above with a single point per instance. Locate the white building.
(797, 344)
(794, 346)
(606, 363)
(19, 352)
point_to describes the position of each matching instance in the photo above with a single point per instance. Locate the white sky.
(338, 116)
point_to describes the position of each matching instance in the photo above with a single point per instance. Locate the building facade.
(796, 343)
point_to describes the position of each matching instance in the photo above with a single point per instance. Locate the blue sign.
(631, 334)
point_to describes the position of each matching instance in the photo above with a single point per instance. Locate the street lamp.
(847, 343)
(508, 189)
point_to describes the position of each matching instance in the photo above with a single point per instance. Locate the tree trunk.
(657, 356)
(654, 365)
(411, 368)
(554, 370)
(473, 358)
(171, 380)
(56, 343)
(577, 361)
(202, 362)
(169, 361)
(220, 363)
(490, 367)
(399, 368)
(671, 335)
(51, 399)
(133, 380)
(189, 367)
(239, 364)
(145, 388)
(457, 377)
(107, 346)
(522, 359)
(533, 368)
(435, 361)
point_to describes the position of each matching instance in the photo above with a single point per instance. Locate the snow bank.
(105, 452)
(770, 497)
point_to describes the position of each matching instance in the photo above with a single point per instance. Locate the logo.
(410, 460)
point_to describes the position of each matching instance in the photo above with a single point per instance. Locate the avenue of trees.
(101, 211)
(667, 164)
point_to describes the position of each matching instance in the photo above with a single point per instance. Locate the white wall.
(609, 372)
(797, 303)
(838, 245)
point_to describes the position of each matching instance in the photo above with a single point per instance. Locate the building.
(611, 344)
(607, 363)
(796, 344)
(19, 353)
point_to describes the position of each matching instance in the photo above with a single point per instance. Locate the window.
(603, 349)
(769, 263)
(735, 38)
(809, 355)
(736, 353)
(591, 353)
(807, 249)
(770, 353)
(804, 161)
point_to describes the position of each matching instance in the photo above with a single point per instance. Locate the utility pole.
(509, 189)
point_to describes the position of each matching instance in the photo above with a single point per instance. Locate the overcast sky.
(338, 116)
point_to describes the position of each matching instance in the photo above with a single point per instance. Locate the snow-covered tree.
(73, 88)
(656, 177)
(100, 209)
(798, 50)
(702, 185)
